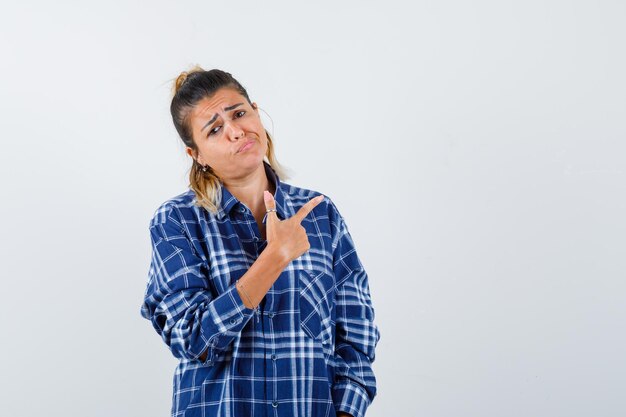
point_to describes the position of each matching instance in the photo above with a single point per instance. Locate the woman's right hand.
(287, 237)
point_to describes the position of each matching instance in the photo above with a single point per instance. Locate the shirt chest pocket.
(317, 300)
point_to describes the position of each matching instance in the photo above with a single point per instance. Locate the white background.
(476, 150)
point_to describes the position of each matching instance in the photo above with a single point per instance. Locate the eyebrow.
(215, 115)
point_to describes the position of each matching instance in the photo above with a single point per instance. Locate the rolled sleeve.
(350, 398)
(227, 317)
(178, 300)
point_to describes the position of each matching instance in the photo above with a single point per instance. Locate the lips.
(245, 146)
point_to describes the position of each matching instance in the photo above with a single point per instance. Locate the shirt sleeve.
(178, 300)
(356, 334)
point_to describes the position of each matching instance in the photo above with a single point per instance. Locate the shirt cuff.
(226, 316)
(350, 398)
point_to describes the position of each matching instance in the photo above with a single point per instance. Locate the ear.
(255, 106)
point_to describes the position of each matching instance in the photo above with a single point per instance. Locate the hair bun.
(180, 80)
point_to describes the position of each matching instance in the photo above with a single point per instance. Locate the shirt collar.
(228, 201)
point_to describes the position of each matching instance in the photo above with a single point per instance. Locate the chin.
(252, 161)
(253, 155)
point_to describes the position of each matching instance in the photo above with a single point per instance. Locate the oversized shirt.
(306, 351)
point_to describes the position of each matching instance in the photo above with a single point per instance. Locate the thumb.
(269, 200)
(270, 203)
(270, 217)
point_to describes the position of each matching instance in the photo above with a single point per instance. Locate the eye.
(212, 131)
(238, 114)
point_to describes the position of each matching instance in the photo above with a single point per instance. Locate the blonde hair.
(190, 87)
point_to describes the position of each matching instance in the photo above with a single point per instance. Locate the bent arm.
(194, 322)
(257, 280)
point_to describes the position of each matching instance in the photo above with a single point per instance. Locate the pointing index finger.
(308, 206)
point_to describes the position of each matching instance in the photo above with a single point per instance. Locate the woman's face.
(229, 134)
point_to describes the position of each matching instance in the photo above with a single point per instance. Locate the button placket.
(271, 315)
(273, 356)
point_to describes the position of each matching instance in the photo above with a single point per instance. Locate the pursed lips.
(245, 144)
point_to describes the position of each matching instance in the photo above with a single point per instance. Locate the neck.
(249, 189)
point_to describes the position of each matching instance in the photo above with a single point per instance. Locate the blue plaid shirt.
(306, 351)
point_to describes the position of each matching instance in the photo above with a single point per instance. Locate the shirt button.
(233, 321)
(275, 404)
(273, 356)
(271, 315)
(242, 209)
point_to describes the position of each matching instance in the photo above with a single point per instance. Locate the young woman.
(254, 284)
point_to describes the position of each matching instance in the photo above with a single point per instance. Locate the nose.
(235, 132)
